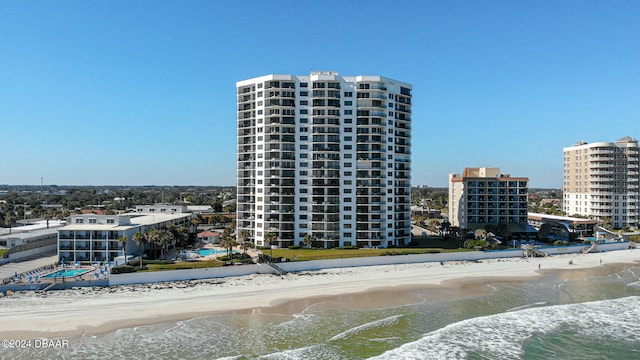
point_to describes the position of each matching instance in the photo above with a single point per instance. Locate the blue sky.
(143, 92)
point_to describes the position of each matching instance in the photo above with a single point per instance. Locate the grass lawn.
(183, 265)
(323, 254)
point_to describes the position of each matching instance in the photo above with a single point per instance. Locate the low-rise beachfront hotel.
(601, 180)
(95, 238)
(484, 196)
(324, 155)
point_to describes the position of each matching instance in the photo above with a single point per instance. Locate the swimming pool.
(65, 273)
(207, 252)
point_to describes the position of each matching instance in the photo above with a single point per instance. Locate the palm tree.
(165, 239)
(139, 238)
(123, 240)
(242, 239)
(157, 239)
(270, 237)
(228, 243)
(245, 247)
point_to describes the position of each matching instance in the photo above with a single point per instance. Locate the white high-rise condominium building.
(327, 156)
(601, 181)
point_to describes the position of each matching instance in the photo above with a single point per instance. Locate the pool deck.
(37, 276)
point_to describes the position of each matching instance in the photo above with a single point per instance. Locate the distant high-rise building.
(601, 181)
(326, 157)
(484, 196)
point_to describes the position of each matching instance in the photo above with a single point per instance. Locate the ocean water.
(575, 315)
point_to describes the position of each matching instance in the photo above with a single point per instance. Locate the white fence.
(190, 274)
(210, 273)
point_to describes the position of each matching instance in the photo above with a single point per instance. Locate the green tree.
(270, 237)
(10, 219)
(433, 225)
(419, 219)
(308, 239)
(606, 222)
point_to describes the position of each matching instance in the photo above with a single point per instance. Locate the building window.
(111, 221)
(348, 94)
(79, 221)
(348, 103)
(304, 111)
(304, 84)
(348, 112)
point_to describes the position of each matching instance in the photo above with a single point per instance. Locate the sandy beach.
(99, 310)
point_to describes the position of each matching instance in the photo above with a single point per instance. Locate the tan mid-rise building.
(485, 196)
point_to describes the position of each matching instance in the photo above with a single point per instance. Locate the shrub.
(634, 238)
(122, 269)
(162, 262)
(295, 247)
(471, 244)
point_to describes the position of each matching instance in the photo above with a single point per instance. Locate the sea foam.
(502, 335)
